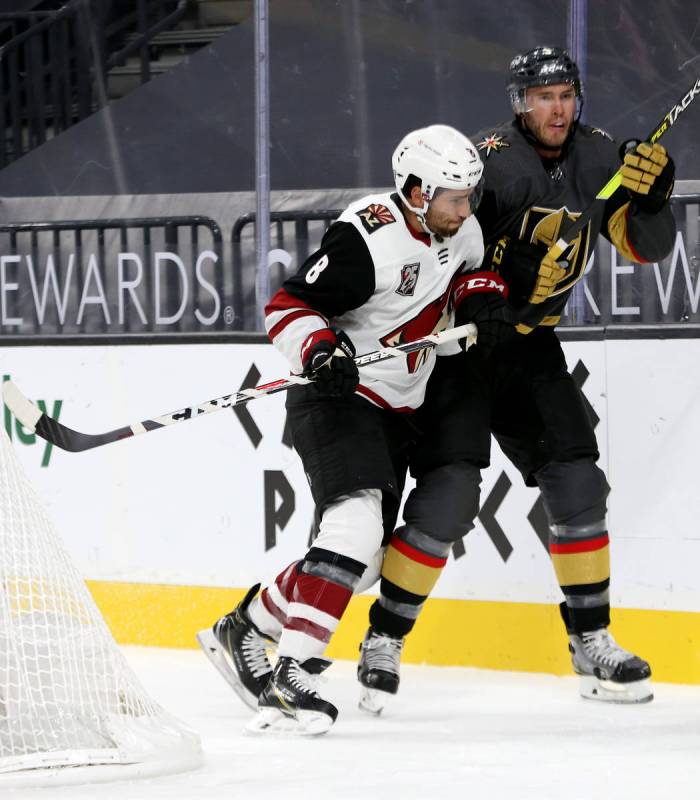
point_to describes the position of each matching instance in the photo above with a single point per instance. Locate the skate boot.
(238, 650)
(290, 703)
(378, 670)
(608, 672)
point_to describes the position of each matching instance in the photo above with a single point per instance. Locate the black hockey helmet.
(542, 66)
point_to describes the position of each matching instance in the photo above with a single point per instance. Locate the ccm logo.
(479, 285)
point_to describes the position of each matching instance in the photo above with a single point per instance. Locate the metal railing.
(13, 23)
(52, 72)
(176, 275)
(47, 79)
(244, 292)
(619, 293)
(148, 20)
(114, 276)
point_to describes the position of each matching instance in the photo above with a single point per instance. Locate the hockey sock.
(412, 565)
(268, 611)
(322, 591)
(581, 559)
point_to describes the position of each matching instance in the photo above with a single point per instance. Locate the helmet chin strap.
(420, 214)
(423, 224)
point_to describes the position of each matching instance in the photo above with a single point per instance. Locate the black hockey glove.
(480, 297)
(327, 358)
(647, 173)
(530, 275)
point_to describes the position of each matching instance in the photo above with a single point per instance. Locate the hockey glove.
(530, 275)
(480, 297)
(647, 173)
(327, 358)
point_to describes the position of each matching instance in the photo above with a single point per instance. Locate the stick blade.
(25, 411)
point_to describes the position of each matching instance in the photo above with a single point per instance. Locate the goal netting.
(68, 698)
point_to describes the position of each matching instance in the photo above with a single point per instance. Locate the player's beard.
(441, 226)
(544, 139)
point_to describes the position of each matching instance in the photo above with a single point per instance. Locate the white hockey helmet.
(441, 158)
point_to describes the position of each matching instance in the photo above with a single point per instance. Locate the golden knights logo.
(545, 226)
(409, 279)
(374, 216)
(492, 142)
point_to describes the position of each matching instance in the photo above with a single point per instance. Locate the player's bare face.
(551, 115)
(447, 211)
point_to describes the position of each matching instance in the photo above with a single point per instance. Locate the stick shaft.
(66, 438)
(614, 183)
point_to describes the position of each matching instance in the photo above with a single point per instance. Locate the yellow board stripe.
(525, 637)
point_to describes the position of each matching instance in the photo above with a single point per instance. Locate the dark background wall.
(348, 78)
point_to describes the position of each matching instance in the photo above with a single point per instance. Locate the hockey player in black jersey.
(541, 170)
(393, 268)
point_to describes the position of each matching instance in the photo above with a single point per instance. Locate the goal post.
(68, 698)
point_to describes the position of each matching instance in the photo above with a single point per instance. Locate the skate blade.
(216, 654)
(372, 701)
(592, 688)
(271, 721)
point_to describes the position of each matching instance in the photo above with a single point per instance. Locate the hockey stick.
(33, 419)
(614, 183)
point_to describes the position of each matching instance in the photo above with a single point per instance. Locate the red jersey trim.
(380, 401)
(629, 244)
(422, 237)
(275, 330)
(283, 301)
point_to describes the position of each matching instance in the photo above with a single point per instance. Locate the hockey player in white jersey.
(393, 268)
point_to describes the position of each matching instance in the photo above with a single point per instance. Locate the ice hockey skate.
(608, 672)
(290, 703)
(238, 650)
(378, 670)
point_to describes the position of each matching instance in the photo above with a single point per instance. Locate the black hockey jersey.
(534, 199)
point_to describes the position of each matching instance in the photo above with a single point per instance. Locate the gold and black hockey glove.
(647, 173)
(528, 271)
(327, 358)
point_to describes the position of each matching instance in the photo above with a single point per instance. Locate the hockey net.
(68, 698)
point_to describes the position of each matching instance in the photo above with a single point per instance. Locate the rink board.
(161, 522)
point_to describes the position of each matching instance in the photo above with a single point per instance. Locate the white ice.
(450, 733)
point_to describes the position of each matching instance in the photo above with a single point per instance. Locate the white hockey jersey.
(382, 284)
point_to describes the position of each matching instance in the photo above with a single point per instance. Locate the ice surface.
(450, 733)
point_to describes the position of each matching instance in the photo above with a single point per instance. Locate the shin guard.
(412, 565)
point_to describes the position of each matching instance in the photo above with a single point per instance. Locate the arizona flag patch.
(374, 216)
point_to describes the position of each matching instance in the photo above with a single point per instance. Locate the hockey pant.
(302, 607)
(574, 495)
(438, 512)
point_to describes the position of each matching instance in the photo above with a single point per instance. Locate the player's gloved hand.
(480, 297)
(548, 276)
(647, 173)
(530, 274)
(327, 358)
